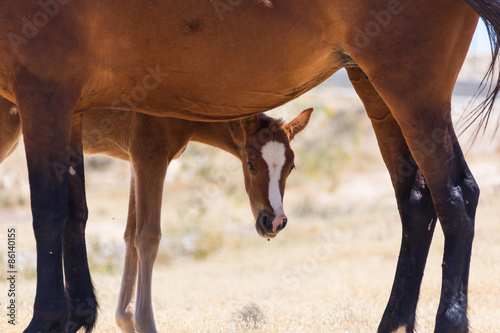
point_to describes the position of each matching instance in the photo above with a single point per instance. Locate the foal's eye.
(291, 169)
(251, 166)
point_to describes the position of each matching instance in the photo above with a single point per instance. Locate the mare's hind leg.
(414, 68)
(415, 205)
(79, 285)
(10, 128)
(433, 143)
(125, 309)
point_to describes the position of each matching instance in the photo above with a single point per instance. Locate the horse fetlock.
(53, 317)
(83, 313)
(145, 322)
(124, 319)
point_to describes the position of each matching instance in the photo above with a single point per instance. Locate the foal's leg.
(415, 205)
(10, 129)
(46, 112)
(125, 308)
(149, 188)
(76, 271)
(149, 154)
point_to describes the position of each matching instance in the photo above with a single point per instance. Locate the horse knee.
(462, 222)
(460, 208)
(417, 208)
(147, 242)
(129, 237)
(470, 192)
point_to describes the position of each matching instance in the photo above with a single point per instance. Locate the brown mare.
(150, 143)
(221, 60)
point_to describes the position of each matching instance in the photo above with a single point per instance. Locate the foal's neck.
(225, 135)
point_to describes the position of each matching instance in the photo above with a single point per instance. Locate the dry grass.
(330, 270)
(311, 280)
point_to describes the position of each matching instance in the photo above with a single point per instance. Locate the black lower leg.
(79, 285)
(458, 227)
(418, 220)
(416, 208)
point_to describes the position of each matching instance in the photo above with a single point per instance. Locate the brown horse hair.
(490, 14)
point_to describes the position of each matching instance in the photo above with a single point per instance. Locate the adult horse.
(217, 60)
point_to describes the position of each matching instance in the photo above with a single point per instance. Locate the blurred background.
(330, 270)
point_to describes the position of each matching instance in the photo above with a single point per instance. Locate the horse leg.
(416, 209)
(150, 153)
(10, 128)
(79, 285)
(455, 195)
(416, 83)
(458, 226)
(46, 111)
(428, 130)
(125, 308)
(147, 240)
(149, 187)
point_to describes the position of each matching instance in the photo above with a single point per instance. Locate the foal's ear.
(250, 124)
(243, 127)
(298, 124)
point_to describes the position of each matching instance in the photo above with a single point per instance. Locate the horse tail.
(489, 11)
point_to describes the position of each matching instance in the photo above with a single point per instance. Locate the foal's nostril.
(284, 222)
(264, 221)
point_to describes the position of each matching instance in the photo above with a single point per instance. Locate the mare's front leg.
(79, 285)
(46, 110)
(10, 128)
(416, 209)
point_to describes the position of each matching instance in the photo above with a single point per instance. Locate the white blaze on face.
(273, 153)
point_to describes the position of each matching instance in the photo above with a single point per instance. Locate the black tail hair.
(489, 10)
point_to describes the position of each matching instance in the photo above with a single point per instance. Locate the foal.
(262, 144)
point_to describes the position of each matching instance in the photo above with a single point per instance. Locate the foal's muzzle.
(269, 225)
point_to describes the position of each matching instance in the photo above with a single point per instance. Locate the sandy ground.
(316, 277)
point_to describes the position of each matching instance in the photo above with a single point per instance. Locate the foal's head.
(267, 161)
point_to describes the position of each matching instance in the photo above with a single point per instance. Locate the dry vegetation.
(330, 270)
